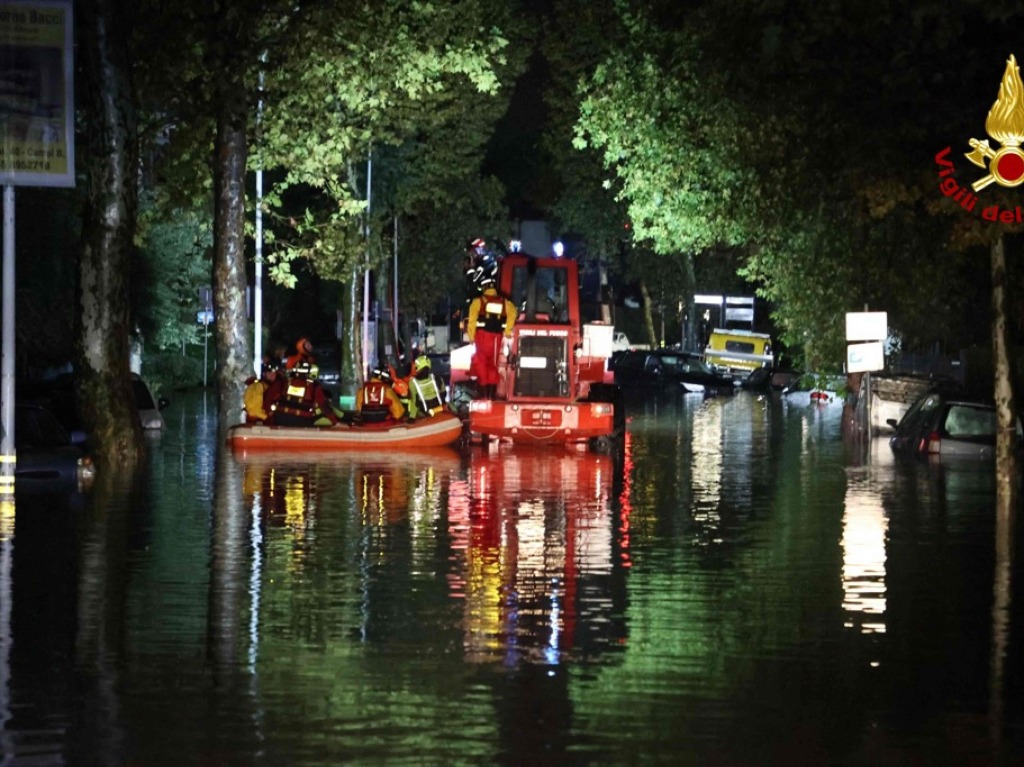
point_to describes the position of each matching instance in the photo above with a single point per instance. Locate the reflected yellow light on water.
(863, 543)
(6, 519)
(707, 463)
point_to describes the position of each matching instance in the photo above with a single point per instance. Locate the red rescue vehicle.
(555, 383)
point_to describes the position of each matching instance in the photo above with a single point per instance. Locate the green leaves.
(382, 74)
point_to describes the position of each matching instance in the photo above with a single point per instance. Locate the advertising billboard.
(36, 93)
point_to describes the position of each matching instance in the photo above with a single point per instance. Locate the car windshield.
(970, 421)
(143, 399)
(36, 428)
(677, 364)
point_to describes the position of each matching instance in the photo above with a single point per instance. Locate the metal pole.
(394, 300)
(257, 310)
(366, 273)
(206, 344)
(7, 453)
(867, 387)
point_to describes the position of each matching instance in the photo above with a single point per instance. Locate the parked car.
(60, 397)
(739, 351)
(149, 407)
(668, 370)
(328, 360)
(46, 455)
(942, 424)
(621, 342)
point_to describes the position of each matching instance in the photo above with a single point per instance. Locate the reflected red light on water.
(625, 507)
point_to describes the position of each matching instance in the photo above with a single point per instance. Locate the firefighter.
(400, 385)
(477, 264)
(304, 399)
(427, 394)
(377, 402)
(491, 318)
(261, 394)
(303, 353)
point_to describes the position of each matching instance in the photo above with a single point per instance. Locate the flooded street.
(738, 587)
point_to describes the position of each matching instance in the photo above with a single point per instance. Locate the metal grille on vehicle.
(540, 369)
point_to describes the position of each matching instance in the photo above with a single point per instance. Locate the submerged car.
(668, 370)
(46, 455)
(941, 424)
(148, 406)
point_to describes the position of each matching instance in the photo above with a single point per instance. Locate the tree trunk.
(652, 337)
(851, 425)
(102, 351)
(1006, 413)
(605, 292)
(231, 329)
(351, 378)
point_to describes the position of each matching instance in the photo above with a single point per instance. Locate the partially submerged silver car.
(938, 424)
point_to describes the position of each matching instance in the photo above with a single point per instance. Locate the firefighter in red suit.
(377, 402)
(491, 318)
(304, 400)
(303, 353)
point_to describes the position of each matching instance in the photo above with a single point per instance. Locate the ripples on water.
(737, 587)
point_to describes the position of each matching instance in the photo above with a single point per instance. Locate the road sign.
(867, 326)
(864, 358)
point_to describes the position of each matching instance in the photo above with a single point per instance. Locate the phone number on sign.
(28, 165)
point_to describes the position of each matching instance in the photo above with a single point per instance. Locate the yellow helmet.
(421, 362)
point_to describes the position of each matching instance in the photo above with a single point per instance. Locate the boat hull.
(441, 430)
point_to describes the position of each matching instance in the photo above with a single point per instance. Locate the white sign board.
(867, 326)
(864, 358)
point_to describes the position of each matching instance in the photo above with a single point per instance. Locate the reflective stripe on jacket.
(493, 317)
(428, 397)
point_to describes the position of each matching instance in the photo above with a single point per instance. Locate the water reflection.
(534, 531)
(864, 532)
(721, 592)
(7, 508)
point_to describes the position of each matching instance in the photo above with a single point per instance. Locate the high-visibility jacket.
(305, 398)
(299, 398)
(377, 402)
(252, 399)
(427, 395)
(492, 312)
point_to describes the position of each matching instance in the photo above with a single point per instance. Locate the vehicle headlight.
(85, 471)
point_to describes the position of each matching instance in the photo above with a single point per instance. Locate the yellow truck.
(739, 350)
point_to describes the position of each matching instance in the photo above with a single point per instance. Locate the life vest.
(493, 314)
(375, 407)
(298, 398)
(428, 398)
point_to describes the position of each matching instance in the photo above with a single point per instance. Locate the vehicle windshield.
(540, 296)
(37, 428)
(681, 364)
(970, 421)
(143, 399)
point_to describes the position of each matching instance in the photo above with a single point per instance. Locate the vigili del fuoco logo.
(1005, 164)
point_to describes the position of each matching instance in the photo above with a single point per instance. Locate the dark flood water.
(738, 588)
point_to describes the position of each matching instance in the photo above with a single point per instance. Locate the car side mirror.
(892, 422)
(162, 403)
(78, 437)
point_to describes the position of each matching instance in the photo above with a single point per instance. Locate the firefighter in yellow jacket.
(426, 390)
(376, 402)
(491, 318)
